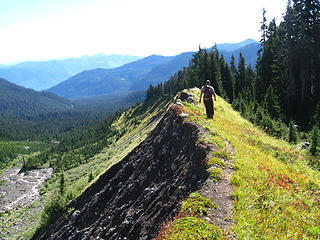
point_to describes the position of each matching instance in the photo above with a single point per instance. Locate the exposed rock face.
(134, 197)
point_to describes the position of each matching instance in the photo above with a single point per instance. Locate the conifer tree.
(240, 79)
(228, 82)
(62, 184)
(316, 116)
(263, 27)
(90, 177)
(271, 103)
(215, 73)
(290, 42)
(233, 66)
(250, 79)
(315, 141)
(293, 133)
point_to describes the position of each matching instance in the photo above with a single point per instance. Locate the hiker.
(207, 91)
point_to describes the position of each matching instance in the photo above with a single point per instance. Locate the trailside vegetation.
(276, 192)
(284, 85)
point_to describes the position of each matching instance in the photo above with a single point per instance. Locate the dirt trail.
(19, 189)
(221, 194)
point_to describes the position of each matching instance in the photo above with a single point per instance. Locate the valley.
(128, 153)
(26, 218)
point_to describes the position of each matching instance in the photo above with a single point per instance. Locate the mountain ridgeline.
(180, 156)
(140, 74)
(142, 190)
(100, 81)
(285, 85)
(45, 74)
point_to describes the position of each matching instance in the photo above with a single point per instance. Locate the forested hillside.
(285, 86)
(28, 114)
(21, 101)
(289, 63)
(274, 189)
(98, 82)
(79, 158)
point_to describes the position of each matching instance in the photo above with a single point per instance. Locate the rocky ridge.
(135, 196)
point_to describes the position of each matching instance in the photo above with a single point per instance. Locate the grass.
(137, 121)
(190, 228)
(216, 161)
(197, 204)
(215, 173)
(189, 224)
(15, 220)
(277, 193)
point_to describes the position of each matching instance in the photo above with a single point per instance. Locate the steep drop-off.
(133, 198)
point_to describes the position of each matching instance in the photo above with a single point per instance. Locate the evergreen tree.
(233, 66)
(215, 72)
(62, 184)
(291, 94)
(315, 141)
(263, 27)
(240, 80)
(316, 116)
(250, 79)
(271, 103)
(306, 32)
(228, 82)
(90, 177)
(293, 133)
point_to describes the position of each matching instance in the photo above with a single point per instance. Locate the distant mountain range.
(122, 79)
(248, 51)
(230, 47)
(99, 75)
(45, 74)
(140, 74)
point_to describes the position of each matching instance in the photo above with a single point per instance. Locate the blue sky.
(54, 29)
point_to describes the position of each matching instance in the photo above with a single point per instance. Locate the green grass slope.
(132, 126)
(130, 129)
(276, 192)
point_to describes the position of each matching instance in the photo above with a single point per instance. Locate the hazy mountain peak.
(229, 47)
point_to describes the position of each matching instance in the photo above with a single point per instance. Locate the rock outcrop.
(135, 196)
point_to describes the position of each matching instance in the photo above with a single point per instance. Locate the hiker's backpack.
(207, 92)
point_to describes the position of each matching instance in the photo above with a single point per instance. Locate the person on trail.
(207, 91)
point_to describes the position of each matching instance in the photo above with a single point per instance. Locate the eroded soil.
(135, 196)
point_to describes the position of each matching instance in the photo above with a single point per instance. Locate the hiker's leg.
(207, 105)
(210, 108)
